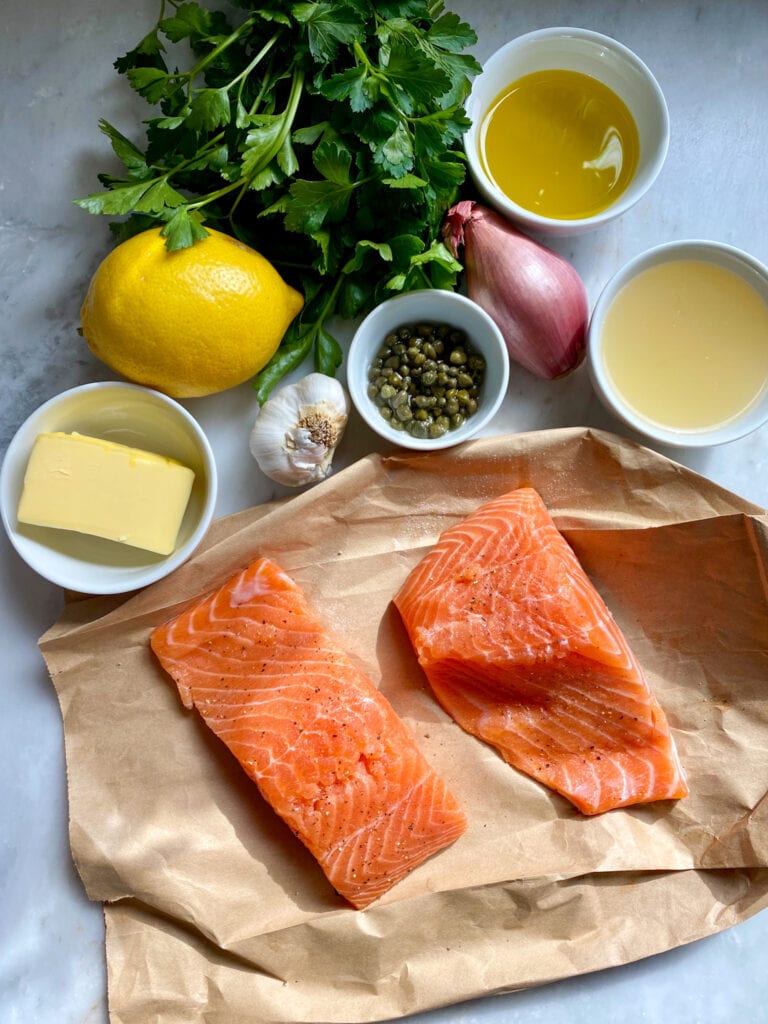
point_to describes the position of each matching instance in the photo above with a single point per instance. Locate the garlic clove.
(536, 297)
(298, 429)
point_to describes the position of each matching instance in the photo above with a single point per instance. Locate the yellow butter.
(97, 487)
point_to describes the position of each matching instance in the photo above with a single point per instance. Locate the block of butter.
(97, 487)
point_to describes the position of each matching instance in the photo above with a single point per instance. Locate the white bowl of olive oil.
(569, 130)
(677, 345)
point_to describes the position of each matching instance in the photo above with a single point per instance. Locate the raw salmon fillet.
(325, 748)
(520, 649)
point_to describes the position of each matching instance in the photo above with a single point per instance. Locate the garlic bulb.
(298, 428)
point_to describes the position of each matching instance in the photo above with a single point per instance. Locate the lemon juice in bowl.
(686, 344)
(677, 344)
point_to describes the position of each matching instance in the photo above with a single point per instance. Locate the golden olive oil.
(560, 144)
(686, 344)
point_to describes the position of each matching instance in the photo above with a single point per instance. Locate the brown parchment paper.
(215, 912)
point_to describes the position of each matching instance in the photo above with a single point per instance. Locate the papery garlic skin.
(536, 298)
(298, 429)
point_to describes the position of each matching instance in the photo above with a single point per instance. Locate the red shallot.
(536, 297)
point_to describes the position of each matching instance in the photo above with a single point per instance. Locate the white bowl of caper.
(427, 369)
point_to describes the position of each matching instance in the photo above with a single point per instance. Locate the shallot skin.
(536, 298)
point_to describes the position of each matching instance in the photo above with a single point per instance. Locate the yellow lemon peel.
(191, 322)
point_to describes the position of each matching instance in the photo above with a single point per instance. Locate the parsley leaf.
(354, 85)
(190, 20)
(312, 203)
(328, 24)
(415, 81)
(121, 198)
(451, 33)
(183, 229)
(131, 156)
(151, 83)
(209, 109)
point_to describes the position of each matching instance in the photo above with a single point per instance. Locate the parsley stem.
(210, 145)
(222, 46)
(293, 352)
(289, 114)
(211, 197)
(242, 183)
(256, 60)
(329, 305)
(267, 83)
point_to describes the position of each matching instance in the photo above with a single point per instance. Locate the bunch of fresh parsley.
(325, 134)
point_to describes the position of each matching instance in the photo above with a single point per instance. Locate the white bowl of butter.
(107, 488)
(677, 345)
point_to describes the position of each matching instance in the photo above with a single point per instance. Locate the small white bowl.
(603, 58)
(437, 307)
(126, 414)
(744, 266)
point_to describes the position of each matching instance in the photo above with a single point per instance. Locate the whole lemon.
(190, 322)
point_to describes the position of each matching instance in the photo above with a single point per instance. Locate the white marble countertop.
(57, 81)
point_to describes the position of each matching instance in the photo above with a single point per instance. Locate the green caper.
(426, 379)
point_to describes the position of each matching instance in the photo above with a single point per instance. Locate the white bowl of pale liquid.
(677, 346)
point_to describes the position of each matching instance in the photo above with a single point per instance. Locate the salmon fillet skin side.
(324, 746)
(520, 649)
